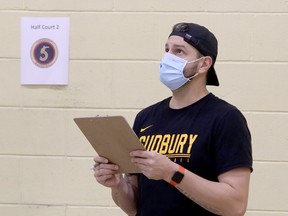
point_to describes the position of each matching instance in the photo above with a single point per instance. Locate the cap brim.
(212, 78)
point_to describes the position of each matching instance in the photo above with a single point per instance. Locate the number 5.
(44, 52)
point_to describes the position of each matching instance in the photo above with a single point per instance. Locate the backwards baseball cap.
(203, 40)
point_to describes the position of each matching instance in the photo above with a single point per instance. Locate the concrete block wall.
(115, 48)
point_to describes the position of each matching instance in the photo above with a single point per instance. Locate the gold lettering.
(181, 143)
(191, 141)
(148, 141)
(142, 139)
(156, 143)
(168, 143)
(164, 144)
(172, 145)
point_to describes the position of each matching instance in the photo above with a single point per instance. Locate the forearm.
(209, 195)
(124, 196)
(217, 197)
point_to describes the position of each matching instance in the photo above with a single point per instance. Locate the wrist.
(121, 181)
(177, 176)
(170, 171)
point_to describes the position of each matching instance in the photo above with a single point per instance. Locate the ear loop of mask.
(190, 78)
(195, 60)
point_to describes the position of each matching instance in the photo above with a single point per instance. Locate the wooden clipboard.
(112, 138)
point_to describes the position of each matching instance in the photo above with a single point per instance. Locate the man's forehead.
(177, 41)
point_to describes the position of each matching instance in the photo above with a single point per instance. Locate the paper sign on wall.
(44, 50)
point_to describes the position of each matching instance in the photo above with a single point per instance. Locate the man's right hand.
(106, 173)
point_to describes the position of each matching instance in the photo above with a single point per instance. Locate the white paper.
(44, 50)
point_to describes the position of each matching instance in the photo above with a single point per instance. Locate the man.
(198, 159)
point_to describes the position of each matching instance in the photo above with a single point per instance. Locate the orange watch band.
(178, 176)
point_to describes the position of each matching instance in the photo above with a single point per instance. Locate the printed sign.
(44, 50)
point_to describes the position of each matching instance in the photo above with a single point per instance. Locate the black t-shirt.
(208, 138)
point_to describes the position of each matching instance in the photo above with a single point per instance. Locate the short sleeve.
(232, 147)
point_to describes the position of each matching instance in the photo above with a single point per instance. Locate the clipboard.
(112, 138)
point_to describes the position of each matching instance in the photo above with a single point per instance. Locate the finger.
(108, 166)
(103, 178)
(103, 169)
(99, 159)
(139, 153)
(139, 160)
(95, 166)
(103, 175)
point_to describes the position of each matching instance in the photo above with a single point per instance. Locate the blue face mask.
(171, 71)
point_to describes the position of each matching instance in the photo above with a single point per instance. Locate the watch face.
(177, 177)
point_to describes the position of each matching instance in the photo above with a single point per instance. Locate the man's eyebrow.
(181, 46)
(176, 46)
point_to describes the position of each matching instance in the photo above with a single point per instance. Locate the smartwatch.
(177, 176)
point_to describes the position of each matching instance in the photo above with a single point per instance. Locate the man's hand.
(154, 165)
(105, 173)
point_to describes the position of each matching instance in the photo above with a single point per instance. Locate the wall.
(115, 47)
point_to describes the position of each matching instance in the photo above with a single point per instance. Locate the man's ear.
(206, 64)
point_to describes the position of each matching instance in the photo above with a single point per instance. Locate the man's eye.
(166, 50)
(179, 51)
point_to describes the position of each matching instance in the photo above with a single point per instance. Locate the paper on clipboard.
(113, 138)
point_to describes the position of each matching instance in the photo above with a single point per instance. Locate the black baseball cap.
(203, 40)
